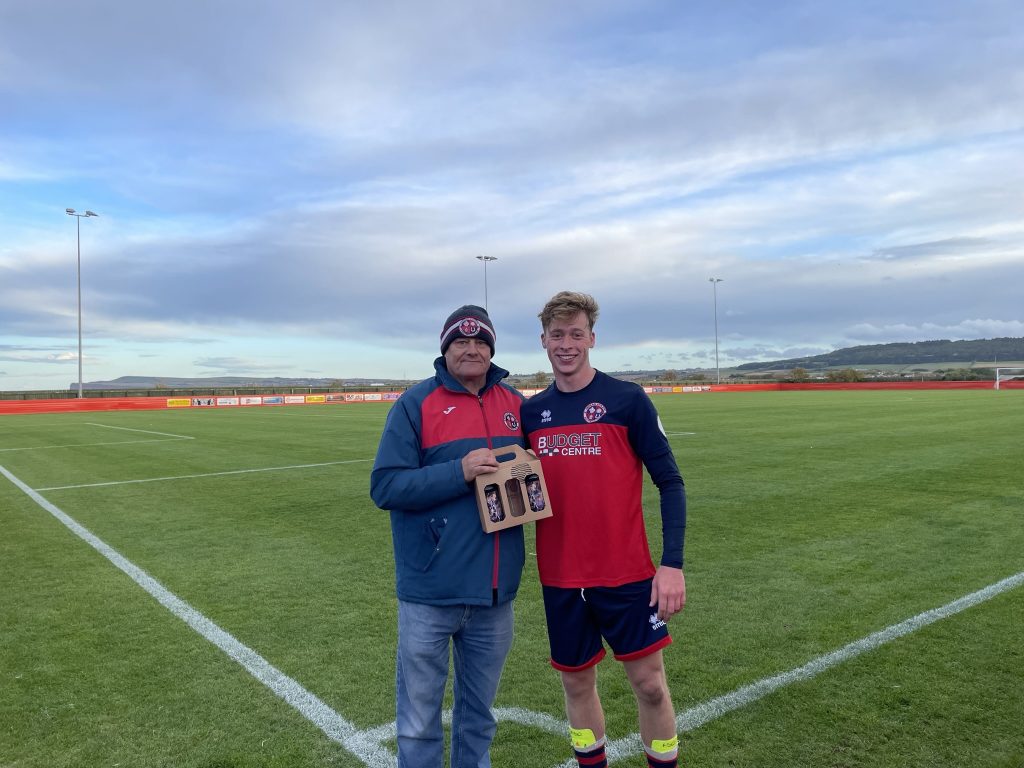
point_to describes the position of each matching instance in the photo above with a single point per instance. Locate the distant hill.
(904, 353)
(927, 353)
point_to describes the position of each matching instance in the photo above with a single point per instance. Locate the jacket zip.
(497, 534)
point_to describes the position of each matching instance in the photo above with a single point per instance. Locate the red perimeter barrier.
(72, 405)
(787, 386)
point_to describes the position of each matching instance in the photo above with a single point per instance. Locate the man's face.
(568, 343)
(468, 360)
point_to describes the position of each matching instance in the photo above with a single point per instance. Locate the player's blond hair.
(567, 304)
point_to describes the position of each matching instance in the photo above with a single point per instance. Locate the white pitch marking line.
(146, 431)
(367, 745)
(704, 713)
(207, 474)
(87, 445)
(673, 434)
(333, 725)
(518, 715)
(538, 720)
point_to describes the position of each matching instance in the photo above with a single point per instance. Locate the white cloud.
(852, 173)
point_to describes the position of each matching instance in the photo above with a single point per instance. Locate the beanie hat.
(469, 322)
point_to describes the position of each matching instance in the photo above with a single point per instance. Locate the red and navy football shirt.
(593, 445)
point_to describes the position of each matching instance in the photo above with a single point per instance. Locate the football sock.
(588, 751)
(663, 753)
(593, 758)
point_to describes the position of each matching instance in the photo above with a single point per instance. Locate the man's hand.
(668, 591)
(478, 462)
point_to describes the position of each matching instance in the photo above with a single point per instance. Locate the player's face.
(568, 343)
(468, 361)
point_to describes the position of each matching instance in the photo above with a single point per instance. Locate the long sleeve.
(399, 481)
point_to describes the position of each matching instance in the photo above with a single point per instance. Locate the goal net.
(1002, 375)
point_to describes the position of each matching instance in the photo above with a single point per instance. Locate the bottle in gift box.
(494, 508)
(515, 497)
(535, 492)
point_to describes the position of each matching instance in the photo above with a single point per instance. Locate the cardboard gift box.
(515, 494)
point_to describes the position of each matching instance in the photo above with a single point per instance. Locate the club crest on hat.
(468, 322)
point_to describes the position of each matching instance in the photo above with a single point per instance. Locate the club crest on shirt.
(594, 412)
(511, 421)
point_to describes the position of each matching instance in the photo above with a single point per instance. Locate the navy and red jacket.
(442, 555)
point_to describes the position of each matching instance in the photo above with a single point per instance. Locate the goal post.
(1000, 376)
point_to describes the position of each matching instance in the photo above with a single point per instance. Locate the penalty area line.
(333, 725)
(206, 474)
(90, 445)
(367, 745)
(144, 431)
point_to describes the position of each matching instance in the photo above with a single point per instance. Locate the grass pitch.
(816, 519)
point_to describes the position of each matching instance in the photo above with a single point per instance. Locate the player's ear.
(543, 340)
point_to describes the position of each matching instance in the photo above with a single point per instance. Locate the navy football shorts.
(579, 618)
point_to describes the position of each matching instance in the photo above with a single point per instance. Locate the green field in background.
(815, 520)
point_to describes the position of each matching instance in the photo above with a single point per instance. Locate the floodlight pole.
(485, 259)
(78, 228)
(714, 290)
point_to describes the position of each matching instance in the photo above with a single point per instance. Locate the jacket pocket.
(428, 542)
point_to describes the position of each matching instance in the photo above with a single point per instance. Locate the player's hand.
(478, 462)
(668, 591)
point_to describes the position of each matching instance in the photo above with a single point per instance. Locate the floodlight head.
(69, 211)
(90, 213)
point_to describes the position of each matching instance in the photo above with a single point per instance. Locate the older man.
(455, 583)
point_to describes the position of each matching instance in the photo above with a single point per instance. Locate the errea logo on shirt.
(571, 444)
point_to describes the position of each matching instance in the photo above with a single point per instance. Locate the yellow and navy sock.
(588, 751)
(663, 753)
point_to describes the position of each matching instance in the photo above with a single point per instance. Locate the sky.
(303, 189)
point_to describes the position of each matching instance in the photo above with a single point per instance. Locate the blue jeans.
(482, 637)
